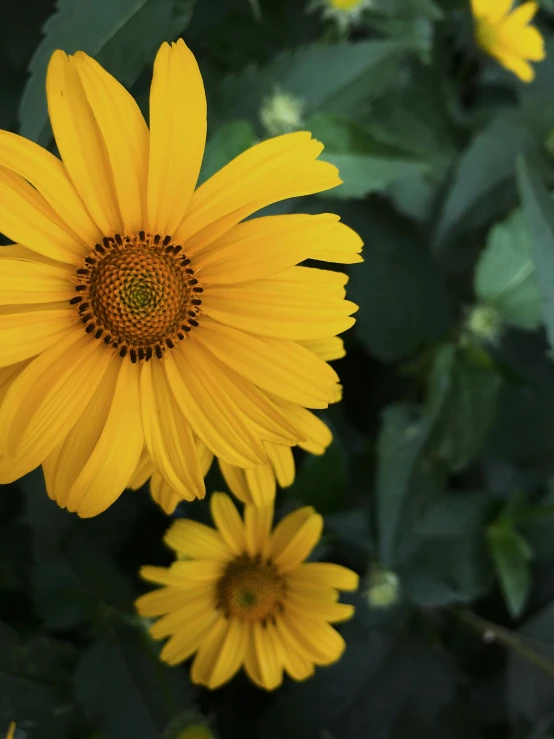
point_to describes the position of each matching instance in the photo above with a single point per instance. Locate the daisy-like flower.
(137, 312)
(255, 485)
(507, 36)
(245, 596)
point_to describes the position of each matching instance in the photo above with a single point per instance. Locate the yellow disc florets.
(138, 294)
(251, 589)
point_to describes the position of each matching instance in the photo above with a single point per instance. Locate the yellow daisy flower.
(507, 36)
(344, 13)
(245, 596)
(139, 312)
(255, 485)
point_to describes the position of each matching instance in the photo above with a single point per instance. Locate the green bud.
(485, 323)
(281, 113)
(384, 589)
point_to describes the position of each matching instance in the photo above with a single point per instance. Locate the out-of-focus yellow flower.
(247, 597)
(506, 35)
(344, 13)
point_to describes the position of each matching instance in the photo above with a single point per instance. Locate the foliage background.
(442, 468)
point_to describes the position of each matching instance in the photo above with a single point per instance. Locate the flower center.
(138, 293)
(345, 4)
(251, 589)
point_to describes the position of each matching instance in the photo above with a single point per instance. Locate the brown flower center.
(251, 589)
(138, 294)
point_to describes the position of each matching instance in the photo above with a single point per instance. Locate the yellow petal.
(228, 522)
(198, 606)
(183, 574)
(257, 522)
(235, 477)
(282, 461)
(283, 167)
(168, 436)
(519, 67)
(26, 217)
(48, 175)
(288, 527)
(231, 655)
(143, 472)
(23, 282)
(326, 574)
(268, 656)
(24, 335)
(289, 315)
(327, 349)
(46, 400)
(177, 138)
(263, 247)
(163, 494)
(316, 434)
(318, 638)
(278, 366)
(300, 545)
(168, 599)
(124, 134)
(212, 413)
(197, 541)
(208, 652)
(80, 143)
(181, 646)
(261, 484)
(109, 468)
(11, 730)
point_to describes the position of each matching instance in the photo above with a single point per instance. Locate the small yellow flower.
(142, 314)
(507, 36)
(247, 597)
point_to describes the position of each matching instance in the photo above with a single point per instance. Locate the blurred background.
(438, 488)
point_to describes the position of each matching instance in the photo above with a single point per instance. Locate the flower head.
(247, 597)
(138, 312)
(344, 13)
(507, 36)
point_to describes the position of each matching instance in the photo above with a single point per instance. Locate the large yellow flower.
(246, 597)
(507, 36)
(137, 312)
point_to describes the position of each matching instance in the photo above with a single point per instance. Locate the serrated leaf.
(505, 276)
(463, 396)
(122, 34)
(401, 293)
(126, 691)
(511, 555)
(539, 219)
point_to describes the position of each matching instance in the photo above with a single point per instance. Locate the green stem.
(505, 637)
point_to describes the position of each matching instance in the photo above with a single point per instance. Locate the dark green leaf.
(511, 555)
(322, 481)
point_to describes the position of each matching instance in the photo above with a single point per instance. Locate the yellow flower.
(137, 312)
(256, 485)
(11, 731)
(507, 36)
(344, 13)
(247, 598)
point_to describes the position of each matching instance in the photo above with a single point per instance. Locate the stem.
(505, 637)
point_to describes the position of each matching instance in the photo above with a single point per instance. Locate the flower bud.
(281, 113)
(383, 589)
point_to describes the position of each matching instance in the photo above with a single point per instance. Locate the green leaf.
(363, 174)
(122, 35)
(229, 141)
(463, 396)
(483, 183)
(408, 480)
(126, 691)
(511, 555)
(402, 295)
(505, 276)
(331, 77)
(449, 563)
(539, 219)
